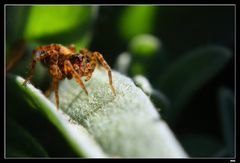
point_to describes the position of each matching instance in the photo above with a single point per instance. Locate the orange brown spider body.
(64, 62)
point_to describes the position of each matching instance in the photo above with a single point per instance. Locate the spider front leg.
(30, 74)
(68, 68)
(34, 61)
(55, 47)
(55, 86)
(32, 67)
(89, 69)
(88, 76)
(105, 65)
(57, 75)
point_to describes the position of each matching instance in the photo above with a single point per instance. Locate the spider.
(64, 62)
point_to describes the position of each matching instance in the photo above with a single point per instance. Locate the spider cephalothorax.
(64, 62)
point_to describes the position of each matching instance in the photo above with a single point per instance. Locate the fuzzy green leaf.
(76, 135)
(125, 125)
(136, 20)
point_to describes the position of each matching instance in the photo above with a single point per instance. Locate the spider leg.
(55, 86)
(30, 73)
(89, 69)
(47, 47)
(88, 76)
(55, 47)
(69, 68)
(105, 65)
(34, 61)
(57, 75)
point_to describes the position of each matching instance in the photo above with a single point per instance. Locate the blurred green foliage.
(186, 53)
(145, 45)
(70, 24)
(55, 19)
(135, 20)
